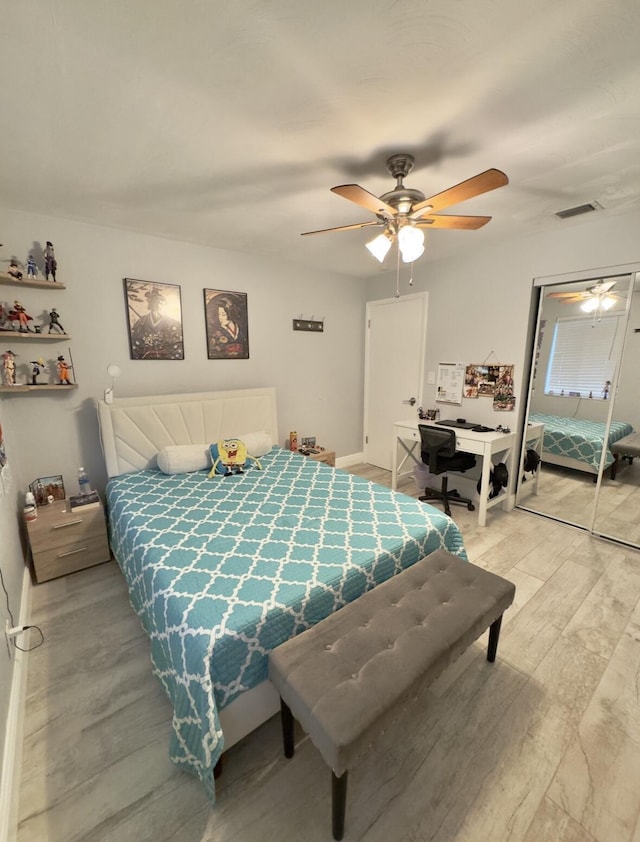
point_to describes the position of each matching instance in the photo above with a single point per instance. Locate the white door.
(394, 370)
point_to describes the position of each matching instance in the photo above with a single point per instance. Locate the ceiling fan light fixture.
(607, 302)
(379, 246)
(590, 305)
(410, 243)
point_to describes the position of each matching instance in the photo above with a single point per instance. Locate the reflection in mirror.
(618, 507)
(579, 338)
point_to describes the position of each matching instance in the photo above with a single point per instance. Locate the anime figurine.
(229, 456)
(9, 368)
(36, 367)
(54, 321)
(50, 262)
(14, 270)
(32, 269)
(20, 315)
(63, 371)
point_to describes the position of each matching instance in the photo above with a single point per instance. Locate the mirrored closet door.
(582, 368)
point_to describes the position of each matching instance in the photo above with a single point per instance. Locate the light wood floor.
(542, 746)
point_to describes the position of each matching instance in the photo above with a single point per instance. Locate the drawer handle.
(68, 523)
(72, 552)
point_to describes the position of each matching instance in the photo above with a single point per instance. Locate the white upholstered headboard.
(133, 430)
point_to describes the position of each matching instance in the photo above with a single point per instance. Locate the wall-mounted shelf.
(9, 280)
(10, 335)
(46, 387)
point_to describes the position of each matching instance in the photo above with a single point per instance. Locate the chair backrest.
(436, 442)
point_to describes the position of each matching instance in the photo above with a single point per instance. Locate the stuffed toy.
(229, 456)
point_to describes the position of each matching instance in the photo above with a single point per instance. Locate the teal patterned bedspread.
(582, 440)
(223, 570)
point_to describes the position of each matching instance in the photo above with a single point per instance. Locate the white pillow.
(258, 444)
(184, 458)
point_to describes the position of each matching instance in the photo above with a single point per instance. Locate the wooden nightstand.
(62, 541)
(326, 456)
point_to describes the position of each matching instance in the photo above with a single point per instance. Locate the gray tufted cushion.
(342, 677)
(628, 446)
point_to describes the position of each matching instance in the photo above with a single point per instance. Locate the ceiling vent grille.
(578, 210)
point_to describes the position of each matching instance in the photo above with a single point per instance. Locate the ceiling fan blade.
(469, 223)
(475, 186)
(602, 287)
(362, 197)
(569, 296)
(341, 228)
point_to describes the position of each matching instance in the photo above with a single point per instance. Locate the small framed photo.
(227, 322)
(45, 487)
(309, 441)
(154, 317)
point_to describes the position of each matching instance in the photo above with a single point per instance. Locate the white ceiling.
(226, 123)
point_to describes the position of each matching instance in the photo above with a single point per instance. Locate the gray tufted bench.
(628, 447)
(343, 678)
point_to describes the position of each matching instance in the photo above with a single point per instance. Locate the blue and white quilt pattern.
(223, 570)
(582, 440)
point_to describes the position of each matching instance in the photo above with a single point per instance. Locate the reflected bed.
(578, 444)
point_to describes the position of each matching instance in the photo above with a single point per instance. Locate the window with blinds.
(582, 357)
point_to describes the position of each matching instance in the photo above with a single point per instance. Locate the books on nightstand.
(91, 500)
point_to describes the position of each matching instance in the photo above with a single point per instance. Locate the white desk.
(406, 437)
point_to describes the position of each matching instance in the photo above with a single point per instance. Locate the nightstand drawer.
(59, 528)
(58, 561)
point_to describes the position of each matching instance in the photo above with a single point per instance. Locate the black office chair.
(440, 454)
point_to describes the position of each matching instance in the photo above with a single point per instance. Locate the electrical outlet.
(7, 629)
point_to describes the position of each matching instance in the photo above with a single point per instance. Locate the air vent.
(578, 210)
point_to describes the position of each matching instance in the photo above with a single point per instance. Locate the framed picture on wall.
(227, 321)
(154, 317)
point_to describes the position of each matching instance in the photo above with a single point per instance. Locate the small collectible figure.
(20, 315)
(63, 371)
(54, 321)
(50, 262)
(14, 270)
(36, 367)
(9, 368)
(32, 269)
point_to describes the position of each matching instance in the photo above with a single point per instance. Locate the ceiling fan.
(596, 297)
(403, 211)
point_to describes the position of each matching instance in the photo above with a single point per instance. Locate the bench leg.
(287, 728)
(338, 803)
(494, 636)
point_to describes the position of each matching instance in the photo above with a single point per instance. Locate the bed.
(578, 444)
(221, 570)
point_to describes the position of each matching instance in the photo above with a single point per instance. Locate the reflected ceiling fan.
(403, 211)
(594, 298)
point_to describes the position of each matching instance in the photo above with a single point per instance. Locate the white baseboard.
(352, 459)
(12, 760)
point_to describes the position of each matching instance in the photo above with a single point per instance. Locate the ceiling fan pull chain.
(411, 276)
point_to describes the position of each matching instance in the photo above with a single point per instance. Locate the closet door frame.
(630, 270)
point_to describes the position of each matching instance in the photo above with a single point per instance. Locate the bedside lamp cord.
(24, 628)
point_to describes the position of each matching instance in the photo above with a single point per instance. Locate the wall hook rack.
(311, 325)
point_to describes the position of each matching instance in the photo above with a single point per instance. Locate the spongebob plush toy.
(229, 456)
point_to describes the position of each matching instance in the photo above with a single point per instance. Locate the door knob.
(411, 401)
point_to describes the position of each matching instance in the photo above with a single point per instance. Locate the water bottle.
(83, 481)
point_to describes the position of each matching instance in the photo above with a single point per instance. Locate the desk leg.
(510, 501)
(484, 489)
(394, 464)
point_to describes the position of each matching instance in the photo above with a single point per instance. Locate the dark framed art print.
(227, 321)
(154, 317)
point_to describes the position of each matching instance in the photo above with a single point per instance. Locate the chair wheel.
(471, 507)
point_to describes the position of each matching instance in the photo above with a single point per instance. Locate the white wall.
(318, 377)
(480, 301)
(11, 564)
